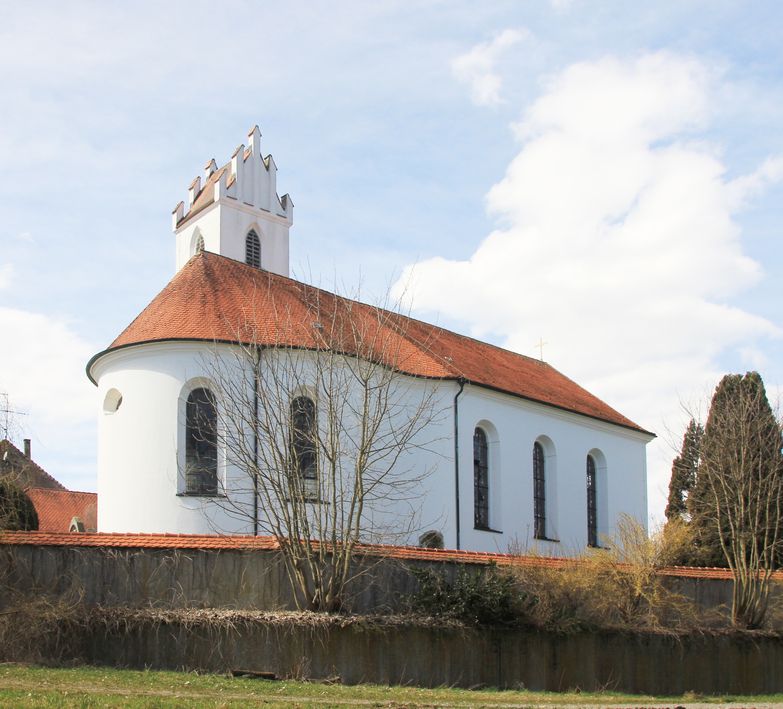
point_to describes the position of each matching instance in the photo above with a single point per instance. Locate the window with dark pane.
(539, 492)
(253, 250)
(592, 511)
(201, 443)
(480, 480)
(303, 438)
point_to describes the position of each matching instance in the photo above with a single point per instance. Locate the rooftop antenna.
(7, 415)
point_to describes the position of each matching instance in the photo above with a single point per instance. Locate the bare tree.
(737, 498)
(321, 432)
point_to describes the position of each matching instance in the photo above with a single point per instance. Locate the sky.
(603, 177)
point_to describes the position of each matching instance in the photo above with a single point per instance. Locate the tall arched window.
(304, 458)
(480, 479)
(199, 244)
(592, 508)
(252, 250)
(539, 492)
(201, 443)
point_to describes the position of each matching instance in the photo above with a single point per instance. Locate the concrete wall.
(167, 578)
(138, 606)
(403, 653)
(239, 579)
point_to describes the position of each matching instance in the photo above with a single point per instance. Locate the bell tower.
(234, 211)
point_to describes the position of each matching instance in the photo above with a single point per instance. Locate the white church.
(511, 453)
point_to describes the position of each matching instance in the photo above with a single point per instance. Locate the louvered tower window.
(253, 250)
(539, 492)
(480, 480)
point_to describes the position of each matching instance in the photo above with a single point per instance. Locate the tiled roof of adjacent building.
(24, 471)
(214, 298)
(248, 543)
(56, 509)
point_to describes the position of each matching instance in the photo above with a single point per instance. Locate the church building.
(512, 453)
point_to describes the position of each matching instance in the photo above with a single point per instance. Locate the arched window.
(252, 250)
(539, 492)
(304, 458)
(480, 479)
(592, 510)
(432, 539)
(201, 443)
(199, 244)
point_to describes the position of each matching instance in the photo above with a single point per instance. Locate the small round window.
(112, 401)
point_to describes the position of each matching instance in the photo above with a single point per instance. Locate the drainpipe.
(456, 456)
(255, 442)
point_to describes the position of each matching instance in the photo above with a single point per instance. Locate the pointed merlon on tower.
(178, 214)
(193, 190)
(254, 141)
(221, 185)
(209, 169)
(237, 166)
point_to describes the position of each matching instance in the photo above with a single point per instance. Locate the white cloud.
(619, 242)
(477, 67)
(42, 370)
(6, 275)
(42, 366)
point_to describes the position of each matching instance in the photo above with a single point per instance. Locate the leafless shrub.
(618, 586)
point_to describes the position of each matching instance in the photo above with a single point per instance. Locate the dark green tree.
(17, 512)
(735, 504)
(684, 470)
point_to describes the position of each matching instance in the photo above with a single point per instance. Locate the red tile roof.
(214, 298)
(403, 553)
(56, 509)
(24, 471)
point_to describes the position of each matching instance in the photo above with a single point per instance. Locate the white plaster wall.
(138, 468)
(140, 451)
(208, 225)
(513, 425)
(225, 225)
(236, 220)
(139, 446)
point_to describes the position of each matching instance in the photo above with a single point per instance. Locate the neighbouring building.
(58, 509)
(520, 455)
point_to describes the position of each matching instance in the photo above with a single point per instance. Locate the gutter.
(461, 382)
(255, 442)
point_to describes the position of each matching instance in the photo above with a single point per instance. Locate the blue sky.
(605, 175)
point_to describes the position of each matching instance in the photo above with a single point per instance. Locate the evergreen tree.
(684, 471)
(735, 503)
(17, 512)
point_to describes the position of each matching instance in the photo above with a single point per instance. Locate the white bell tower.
(235, 211)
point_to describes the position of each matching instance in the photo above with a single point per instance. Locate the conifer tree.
(17, 512)
(684, 470)
(736, 503)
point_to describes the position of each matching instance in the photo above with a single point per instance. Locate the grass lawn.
(29, 686)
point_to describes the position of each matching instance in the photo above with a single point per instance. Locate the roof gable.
(24, 471)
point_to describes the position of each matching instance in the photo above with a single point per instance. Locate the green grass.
(29, 686)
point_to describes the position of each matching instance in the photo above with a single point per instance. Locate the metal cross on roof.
(540, 344)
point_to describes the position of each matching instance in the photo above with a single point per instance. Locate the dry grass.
(616, 586)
